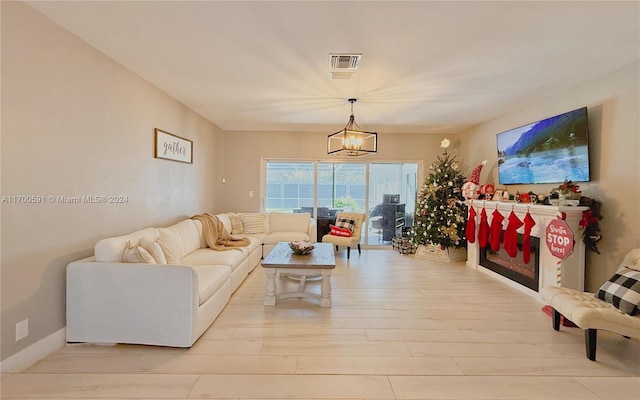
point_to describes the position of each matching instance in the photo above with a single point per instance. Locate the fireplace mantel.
(571, 272)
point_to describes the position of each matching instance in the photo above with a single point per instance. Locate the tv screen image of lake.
(550, 166)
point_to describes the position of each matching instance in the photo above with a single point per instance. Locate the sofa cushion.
(288, 222)
(275, 237)
(231, 258)
(179, 240)
(210, 279)
(153, 248)
(622, 291)
(112, 249)
(253, 223)
(198, 225)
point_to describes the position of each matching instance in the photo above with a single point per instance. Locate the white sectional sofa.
(112, 301)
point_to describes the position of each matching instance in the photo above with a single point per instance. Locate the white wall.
(74, 122)
(613, 104)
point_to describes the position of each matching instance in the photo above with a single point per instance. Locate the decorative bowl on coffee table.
(301, 248)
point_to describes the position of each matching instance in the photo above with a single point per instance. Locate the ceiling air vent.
(342, 66)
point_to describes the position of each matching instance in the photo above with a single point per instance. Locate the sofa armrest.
(114, 302)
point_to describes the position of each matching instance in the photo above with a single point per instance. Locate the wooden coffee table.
(282, 261)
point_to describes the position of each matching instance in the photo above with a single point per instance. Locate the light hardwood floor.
(399, 328)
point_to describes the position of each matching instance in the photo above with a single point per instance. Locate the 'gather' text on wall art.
(172, 147)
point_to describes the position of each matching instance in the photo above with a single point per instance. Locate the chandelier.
(352, 140)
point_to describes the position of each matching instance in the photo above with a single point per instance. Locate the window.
(283, 186)
(323, 188)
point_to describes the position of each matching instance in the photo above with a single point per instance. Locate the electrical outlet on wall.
(22, 329)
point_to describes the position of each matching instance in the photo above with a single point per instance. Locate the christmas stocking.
(526, 239)
(511, 236)
(483, 231)
(495, 230)
(471, 226)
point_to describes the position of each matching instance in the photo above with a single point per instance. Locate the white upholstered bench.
(590, 313)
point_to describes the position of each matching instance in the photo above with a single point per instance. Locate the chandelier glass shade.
(352, 140)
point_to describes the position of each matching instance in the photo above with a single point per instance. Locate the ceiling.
(427, 67)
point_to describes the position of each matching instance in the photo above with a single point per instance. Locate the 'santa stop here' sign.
(559, 238)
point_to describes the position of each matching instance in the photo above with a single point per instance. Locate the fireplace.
(526, 274)
(550, 270)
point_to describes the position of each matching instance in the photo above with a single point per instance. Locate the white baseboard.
(32, 354)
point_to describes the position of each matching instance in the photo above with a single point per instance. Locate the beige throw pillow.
(154, 249)
(236, 224)
(253, 223)
(136, 254)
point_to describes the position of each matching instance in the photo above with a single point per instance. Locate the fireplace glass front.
(526, 274)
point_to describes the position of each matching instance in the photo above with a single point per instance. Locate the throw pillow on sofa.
(154, 249)
(622, 291)
(136, 254)
(236, 224)
(253, 223)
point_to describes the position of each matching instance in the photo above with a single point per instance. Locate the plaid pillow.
(622, 290)
(346, 223)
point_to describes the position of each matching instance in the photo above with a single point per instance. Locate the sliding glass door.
(386, 192)
(392, 196)
(342, 186)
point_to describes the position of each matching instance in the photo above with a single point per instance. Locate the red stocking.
(511, 236)
(483, 231)
(526, 238)
(495, 230)
(471, 226)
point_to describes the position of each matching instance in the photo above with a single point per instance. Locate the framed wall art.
(172, 147)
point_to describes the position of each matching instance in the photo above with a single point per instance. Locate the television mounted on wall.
(551, 150)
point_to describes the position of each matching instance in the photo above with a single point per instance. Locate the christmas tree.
(440, 212)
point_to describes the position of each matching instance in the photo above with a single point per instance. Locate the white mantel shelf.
(571, 268)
